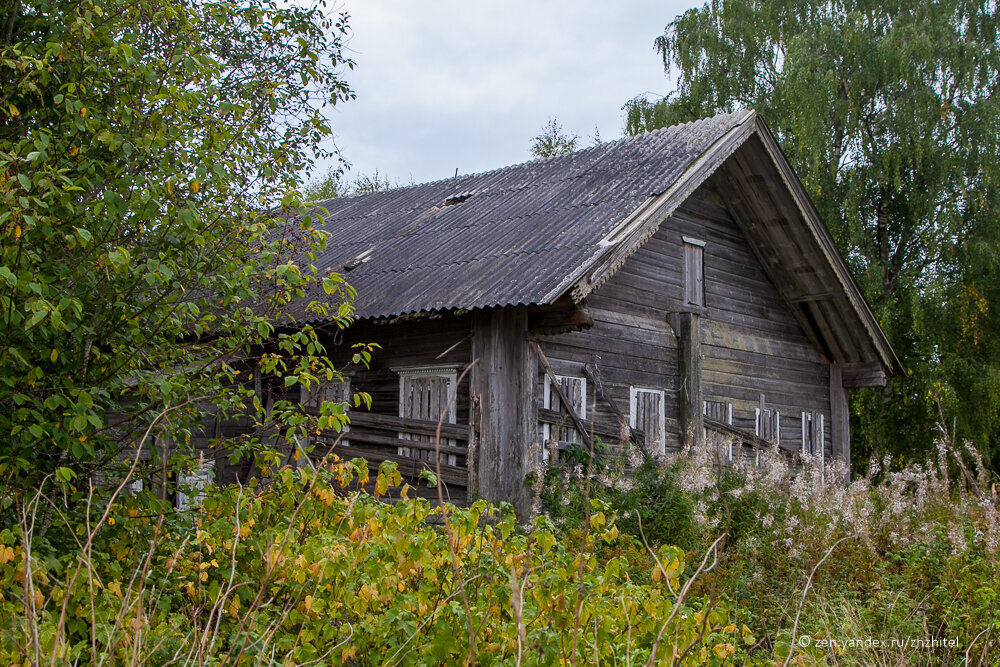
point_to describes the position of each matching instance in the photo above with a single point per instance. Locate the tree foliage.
(143, 147)
(554, 141)
(334, 183)
(889, 115)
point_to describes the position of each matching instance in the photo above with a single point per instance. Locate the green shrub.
(301, 568)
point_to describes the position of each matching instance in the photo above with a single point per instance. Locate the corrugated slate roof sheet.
(522, 237)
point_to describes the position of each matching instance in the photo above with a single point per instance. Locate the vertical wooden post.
(503, 380)
(840, 418)
(690, 394)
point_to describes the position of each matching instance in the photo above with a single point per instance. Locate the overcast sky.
(466, 84)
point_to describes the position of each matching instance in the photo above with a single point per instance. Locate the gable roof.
(531, 233)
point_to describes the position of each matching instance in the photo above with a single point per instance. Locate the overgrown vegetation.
(313, 565)
(144, 146)
(906, 552)
(305, 567)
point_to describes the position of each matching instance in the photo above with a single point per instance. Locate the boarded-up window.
(767, 424)
(425, 393)
(192, 482)
(647, 413)
(721, 411)
(812, 433)
(575, 390)
(335, 391)
(694, 272)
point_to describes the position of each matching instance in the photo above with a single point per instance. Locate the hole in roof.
(456, 199)
(358, 261)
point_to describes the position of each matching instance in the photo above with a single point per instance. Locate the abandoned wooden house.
(676, 282)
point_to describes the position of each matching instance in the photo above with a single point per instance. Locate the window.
(721, 411)
(424, 393)
(192, 482)
(333, 391)
(694, 272)
(766, 426)
(575, 390)
(812, 433)
(646, 413)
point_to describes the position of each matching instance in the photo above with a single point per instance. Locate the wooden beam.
(622, 419)
(840, 418)
(864, 374)
(503, 385)
(688, 329)
(554, 322)
(815, 297)
(565, 402)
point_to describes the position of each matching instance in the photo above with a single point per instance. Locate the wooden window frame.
(307, 398)
(203, 474)
(728, 420)
(694, 272)
(547, 395)
(448, 371)
(809, 428)
(758, 429)
(633, 414)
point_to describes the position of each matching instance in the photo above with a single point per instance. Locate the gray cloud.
(446, 84)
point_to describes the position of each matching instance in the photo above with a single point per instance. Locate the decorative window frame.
(448, 371)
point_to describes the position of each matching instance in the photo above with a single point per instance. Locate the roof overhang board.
(783, 229)
(828, 246)
(623, 241)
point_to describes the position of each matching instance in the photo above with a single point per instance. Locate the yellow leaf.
(724, 650)
(73, 151)
(6, 555)
(17, 231)
(13, 111)
(54, 355)
(115, 588)
(83, 112)
(195, 186)
(170, 187)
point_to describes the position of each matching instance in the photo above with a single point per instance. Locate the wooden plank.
(566, 404)
(393, 423)
(622, 419)
(687, 328)
(729, 431)
(863, 374)
(358, 435)
(606, 429)
(503, 385)
(410, 468)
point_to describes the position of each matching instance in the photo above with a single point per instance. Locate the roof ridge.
(606, 144)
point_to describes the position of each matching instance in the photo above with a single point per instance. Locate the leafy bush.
(306, 566)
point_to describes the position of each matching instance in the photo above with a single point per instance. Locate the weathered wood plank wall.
(750, 342)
